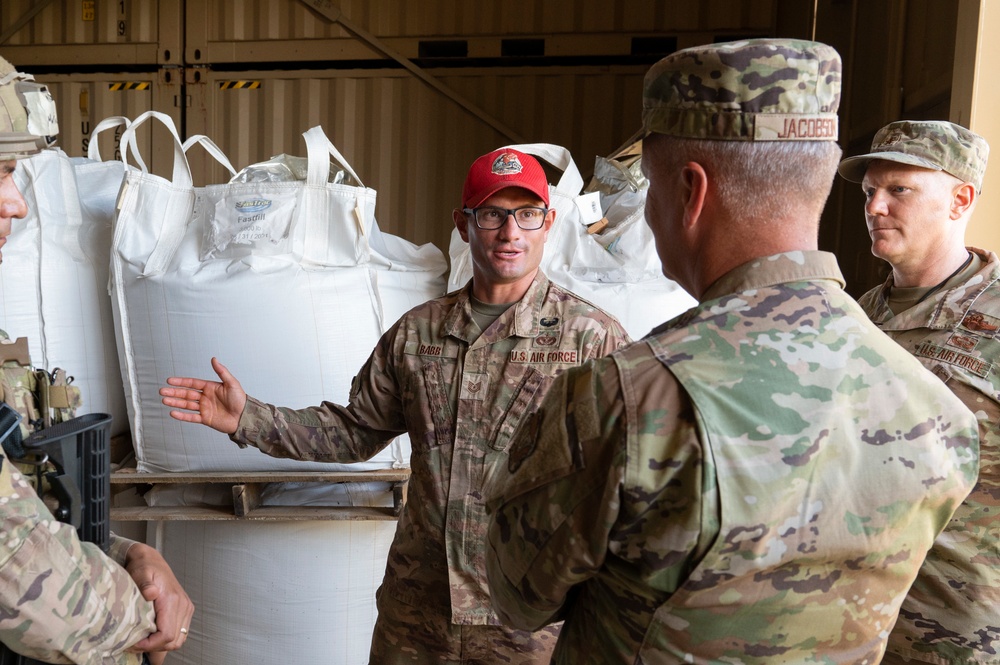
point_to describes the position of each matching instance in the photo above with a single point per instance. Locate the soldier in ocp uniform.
(63, 600)
(758, 480)
(459, 374)
(921, 182)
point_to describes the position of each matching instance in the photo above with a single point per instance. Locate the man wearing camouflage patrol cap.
(757, 480)
(63, 600)
(459, 374)
(921, 182)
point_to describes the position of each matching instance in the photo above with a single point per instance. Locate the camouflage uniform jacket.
(755, 482)
(952, 614)
(62, 600)
(460, 395)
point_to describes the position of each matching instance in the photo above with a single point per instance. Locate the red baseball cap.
(500, 169)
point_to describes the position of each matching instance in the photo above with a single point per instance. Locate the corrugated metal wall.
(125, 21)
(254, 75)
(90, 32)
(255, 20)
(83, 100)
(566, 72)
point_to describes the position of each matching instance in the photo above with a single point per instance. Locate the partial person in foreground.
(63, 600)
(459, 374)
(758, 480)
(921, 182)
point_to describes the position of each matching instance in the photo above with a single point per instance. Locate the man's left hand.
(157, 583)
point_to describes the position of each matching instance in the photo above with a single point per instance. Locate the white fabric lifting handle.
(176, 208)
(571, 182)
(211, 148)
(332, 238)
(182, 171)
(93, 151)
(319, 149)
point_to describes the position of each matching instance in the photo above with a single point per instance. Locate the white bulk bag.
(625, 280)
(293, 302)
(54, 283)
(272, 593)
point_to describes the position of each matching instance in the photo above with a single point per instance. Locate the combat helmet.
(28, 121)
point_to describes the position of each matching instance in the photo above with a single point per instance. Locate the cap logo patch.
(506, 163)
(892, 138)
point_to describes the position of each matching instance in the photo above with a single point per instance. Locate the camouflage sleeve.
(118, 548)
(550, 523)
(615, 338)
(331, 432)
(61, 600)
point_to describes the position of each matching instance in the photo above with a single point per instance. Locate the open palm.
(217, 404)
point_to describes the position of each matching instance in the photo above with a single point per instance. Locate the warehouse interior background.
(411, 92)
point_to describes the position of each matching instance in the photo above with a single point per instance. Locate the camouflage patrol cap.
(932, 144)
(27, 114)
(750, 90)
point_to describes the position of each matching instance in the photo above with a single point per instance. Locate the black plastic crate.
(80, 450)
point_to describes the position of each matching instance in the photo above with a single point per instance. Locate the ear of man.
(963, 198)
(694, 181)
(461, 223)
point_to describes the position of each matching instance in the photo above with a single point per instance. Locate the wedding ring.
(184, 631)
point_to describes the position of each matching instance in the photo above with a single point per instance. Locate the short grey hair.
(758, 180)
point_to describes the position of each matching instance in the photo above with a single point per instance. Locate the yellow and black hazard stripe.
(239, 85)
(129, 85)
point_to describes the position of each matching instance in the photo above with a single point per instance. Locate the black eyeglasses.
(529, 218)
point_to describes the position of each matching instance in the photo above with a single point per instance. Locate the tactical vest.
(42, 398)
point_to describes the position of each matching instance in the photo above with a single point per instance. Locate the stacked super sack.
(600, 246)
(284, 275)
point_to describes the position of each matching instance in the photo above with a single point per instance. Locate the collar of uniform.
(526, 312)
(945, 310)
(766, 271)
(529, 309)
(459, 322)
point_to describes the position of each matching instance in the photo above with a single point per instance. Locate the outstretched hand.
(218, 405)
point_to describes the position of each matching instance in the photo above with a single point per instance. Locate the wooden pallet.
(246, 488)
